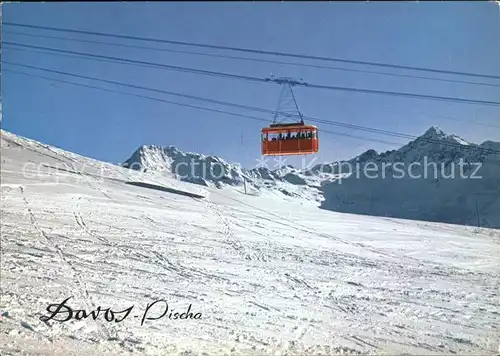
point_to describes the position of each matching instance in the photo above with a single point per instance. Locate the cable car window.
(264, 137)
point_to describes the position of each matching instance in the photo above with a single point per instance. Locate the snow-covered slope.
(429, 197)
(267, 277)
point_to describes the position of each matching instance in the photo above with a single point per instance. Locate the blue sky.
(458, 36)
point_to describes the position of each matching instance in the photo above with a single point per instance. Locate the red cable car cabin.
(289, 139)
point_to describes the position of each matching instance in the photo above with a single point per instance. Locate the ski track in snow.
(269, 276)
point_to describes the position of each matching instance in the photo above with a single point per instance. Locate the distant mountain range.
(434, 177)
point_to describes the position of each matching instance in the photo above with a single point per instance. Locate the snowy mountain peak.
(434, 132)
(186, 166)
(157, 158)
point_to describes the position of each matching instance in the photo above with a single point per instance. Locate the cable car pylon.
(293, 138)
